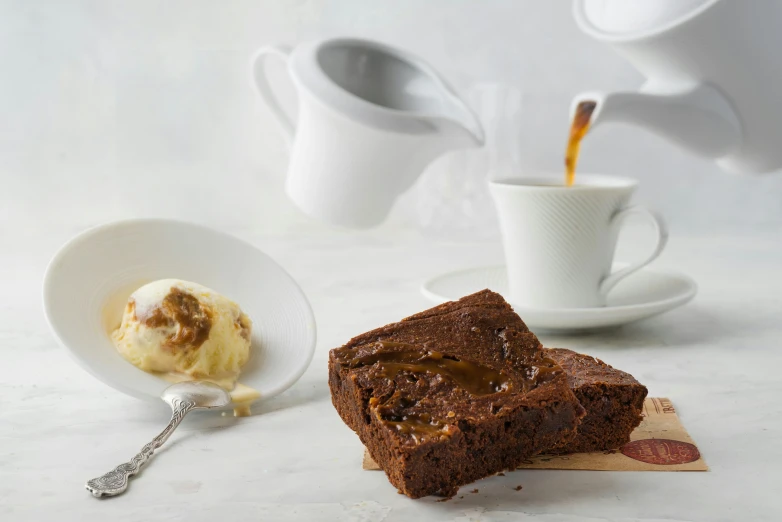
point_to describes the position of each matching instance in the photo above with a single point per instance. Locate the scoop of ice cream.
(186, 330)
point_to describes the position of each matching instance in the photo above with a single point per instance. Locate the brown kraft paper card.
(659, 443)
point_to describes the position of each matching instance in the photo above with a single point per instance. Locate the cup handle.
(662, 238)
(261, 82)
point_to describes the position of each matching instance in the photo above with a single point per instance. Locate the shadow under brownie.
(452, 394)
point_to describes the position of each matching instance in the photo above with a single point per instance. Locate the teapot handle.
(261, 82)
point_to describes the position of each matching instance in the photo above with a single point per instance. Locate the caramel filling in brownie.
(401, 410)
(452, 394)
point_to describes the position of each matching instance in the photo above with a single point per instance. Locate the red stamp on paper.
(661, 451)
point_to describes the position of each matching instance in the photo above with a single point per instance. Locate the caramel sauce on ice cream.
(186, 311)
(184, 331)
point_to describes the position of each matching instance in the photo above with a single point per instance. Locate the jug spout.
(696, 117)
(453, 135)
(458, 129)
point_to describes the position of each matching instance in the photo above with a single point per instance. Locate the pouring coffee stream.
(578, 129)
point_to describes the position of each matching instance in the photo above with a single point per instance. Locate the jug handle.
(261, 82)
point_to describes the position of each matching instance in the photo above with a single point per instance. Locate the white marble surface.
(718, 358)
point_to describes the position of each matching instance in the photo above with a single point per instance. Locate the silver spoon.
(182, 397)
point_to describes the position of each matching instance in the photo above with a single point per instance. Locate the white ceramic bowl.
(89, 280)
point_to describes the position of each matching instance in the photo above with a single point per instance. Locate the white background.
(112, 109)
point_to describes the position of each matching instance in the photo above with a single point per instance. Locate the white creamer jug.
(713, 71)
(371, 118)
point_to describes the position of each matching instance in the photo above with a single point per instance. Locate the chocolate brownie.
(452, 394)
(612, 398)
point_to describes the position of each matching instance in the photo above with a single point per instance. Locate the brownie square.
(452, 394)
(613, 400)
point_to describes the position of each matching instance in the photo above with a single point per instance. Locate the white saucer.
(644, 294)
(89, 280)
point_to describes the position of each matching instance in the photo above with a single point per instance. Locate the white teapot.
(371, 118)
(714, 74)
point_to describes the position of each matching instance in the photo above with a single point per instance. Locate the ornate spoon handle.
(116, 481)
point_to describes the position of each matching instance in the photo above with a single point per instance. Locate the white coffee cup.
(559, 241)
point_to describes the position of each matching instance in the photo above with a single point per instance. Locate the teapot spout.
(697, 118)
